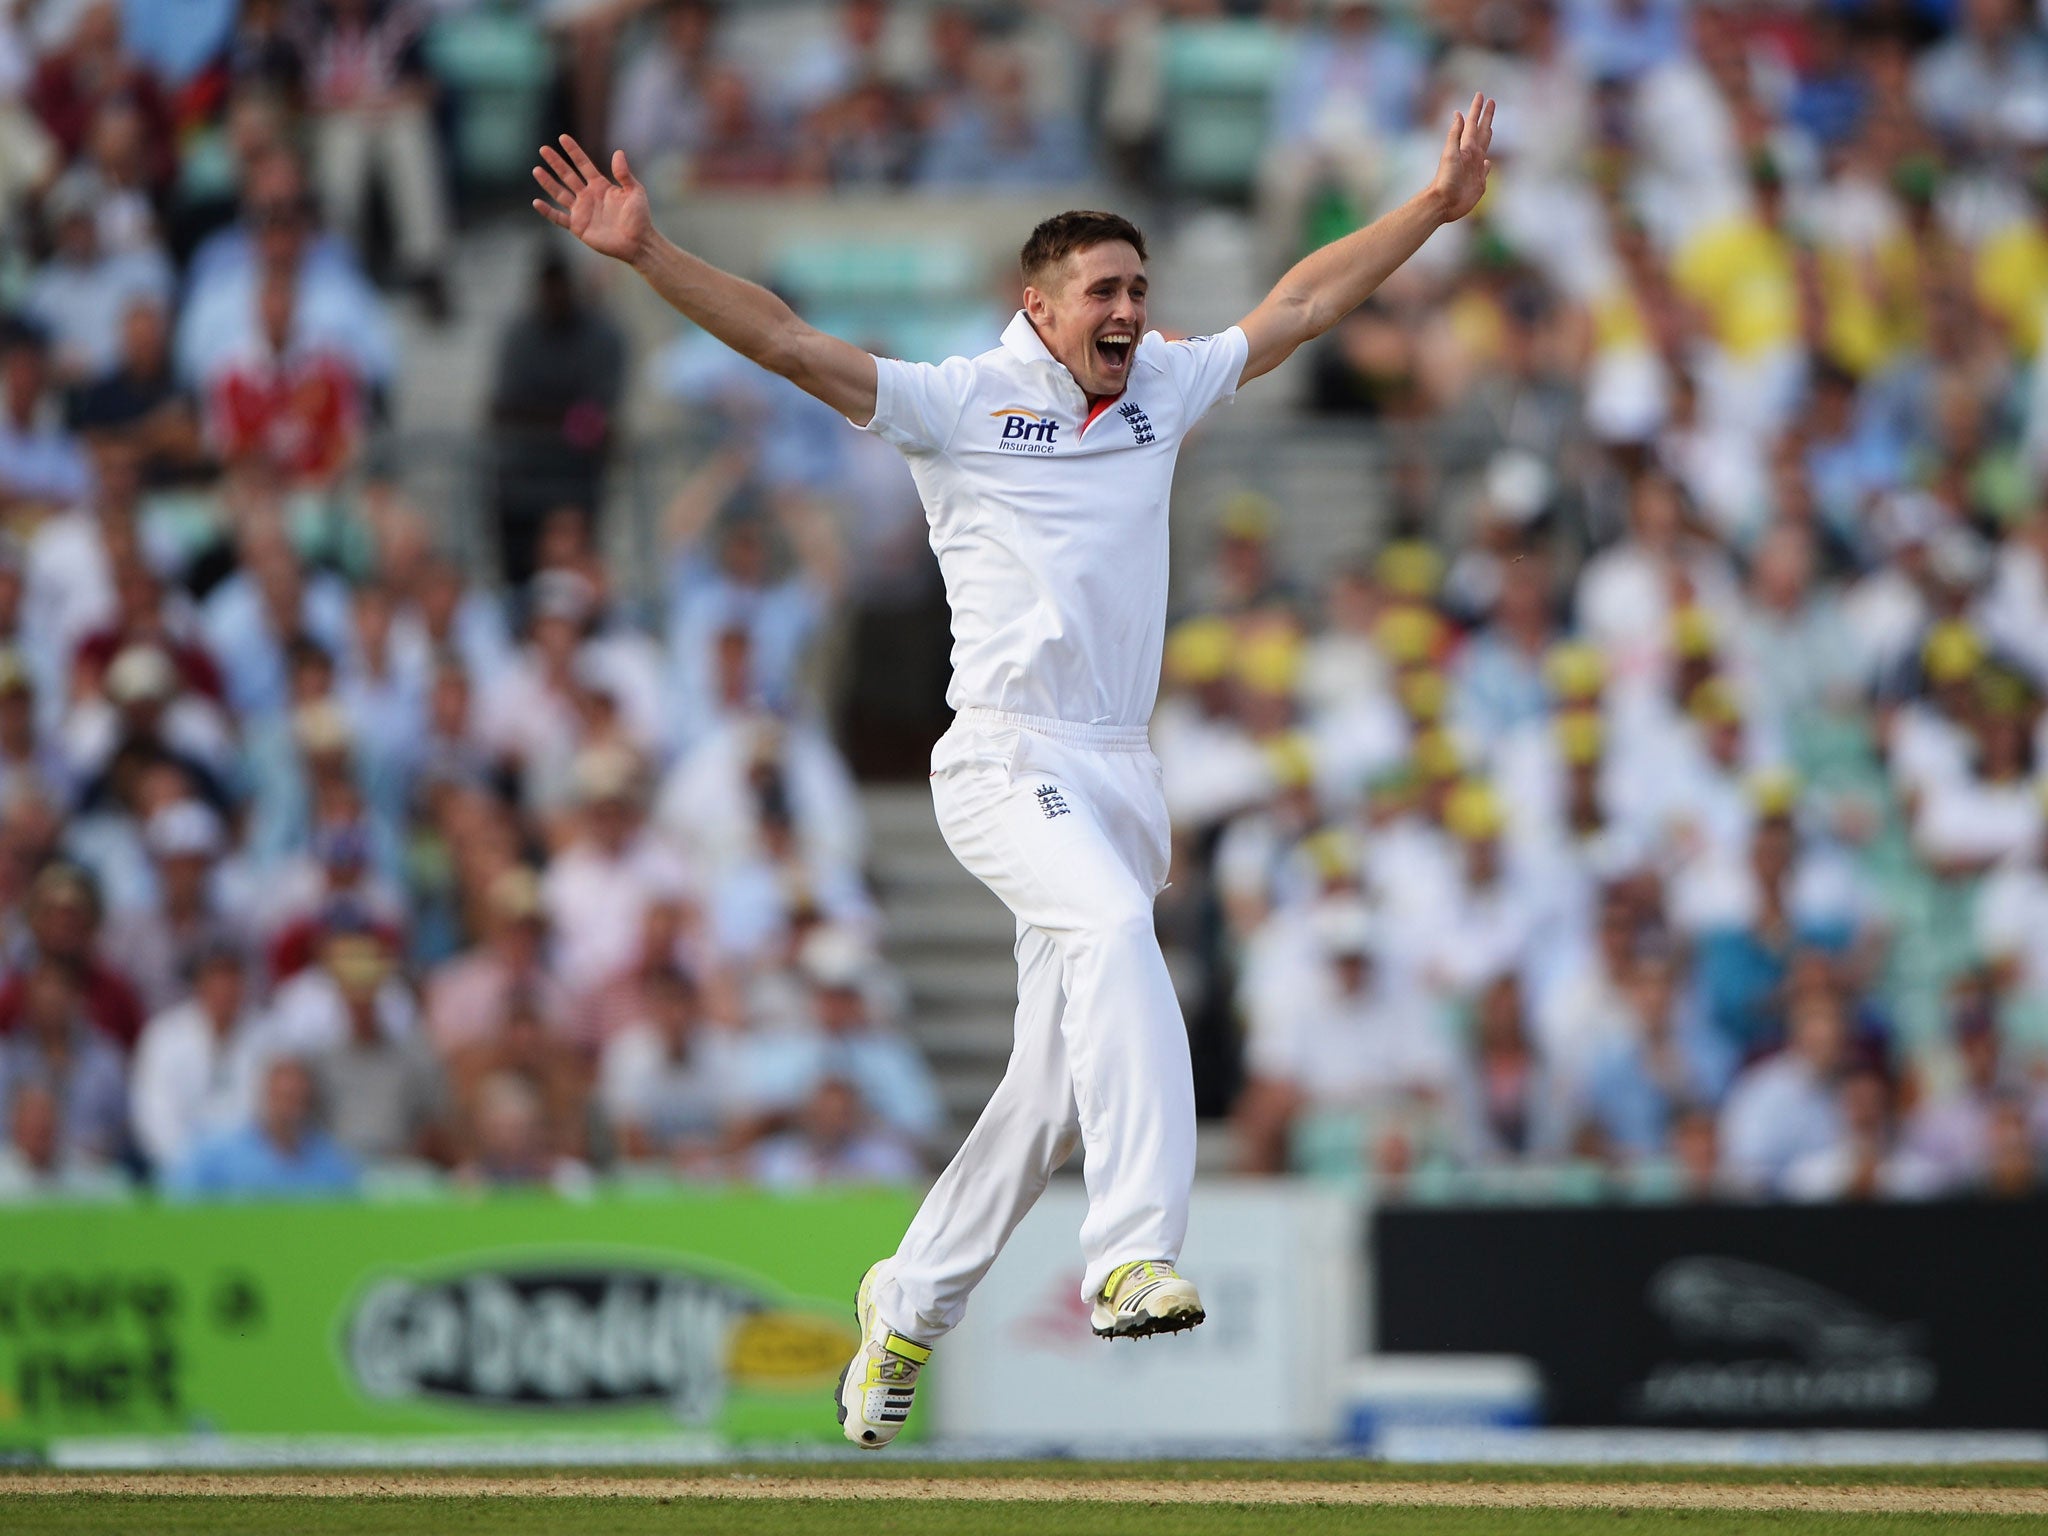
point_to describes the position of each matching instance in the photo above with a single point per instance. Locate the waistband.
(1101, 738)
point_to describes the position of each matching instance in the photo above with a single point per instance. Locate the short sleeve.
(1206, 369)
(917, 405)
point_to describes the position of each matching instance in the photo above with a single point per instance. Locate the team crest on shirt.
(1025, 430)
(1140, 423)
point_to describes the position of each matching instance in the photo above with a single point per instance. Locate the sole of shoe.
(1150, 1326)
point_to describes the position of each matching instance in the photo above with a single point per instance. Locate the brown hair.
(1075, 230)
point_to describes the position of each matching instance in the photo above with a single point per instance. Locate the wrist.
(1436, 202)
(646, 251)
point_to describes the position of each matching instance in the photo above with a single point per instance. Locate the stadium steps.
(951, 941)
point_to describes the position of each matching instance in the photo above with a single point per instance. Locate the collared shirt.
(189, 1082)
(1049, 517)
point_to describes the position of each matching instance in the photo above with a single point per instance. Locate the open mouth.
(1114, 350)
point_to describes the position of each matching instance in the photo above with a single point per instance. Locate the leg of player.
(1026, 1130)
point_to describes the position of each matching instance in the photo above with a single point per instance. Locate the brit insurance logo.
(1025, 431)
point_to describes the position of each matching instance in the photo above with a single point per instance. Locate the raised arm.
(610, 215)
(1326, 285)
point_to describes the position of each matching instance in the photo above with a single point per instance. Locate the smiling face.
(1089, 310)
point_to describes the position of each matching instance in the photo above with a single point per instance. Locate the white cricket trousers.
(1066, 823)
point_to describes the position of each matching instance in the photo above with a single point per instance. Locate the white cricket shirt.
(1049, 521)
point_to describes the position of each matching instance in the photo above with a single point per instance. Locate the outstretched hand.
(607, 213)
(1461, 173)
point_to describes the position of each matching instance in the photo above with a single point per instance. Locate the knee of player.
(1122, 918)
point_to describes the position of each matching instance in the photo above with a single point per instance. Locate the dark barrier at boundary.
(1892, 1316)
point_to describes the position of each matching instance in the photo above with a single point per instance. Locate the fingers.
(552, 214)
(583, 162)
(563, 169)
(552, 187)
(622, 173)
(1455, 139)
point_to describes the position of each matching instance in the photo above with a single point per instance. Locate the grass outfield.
(1024, 1498)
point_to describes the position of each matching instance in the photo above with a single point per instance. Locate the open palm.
(1461, 173)
(607, 213)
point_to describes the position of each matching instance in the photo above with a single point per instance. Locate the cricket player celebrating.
(1045, 467)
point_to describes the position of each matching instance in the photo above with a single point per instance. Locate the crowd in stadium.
(1657, 800)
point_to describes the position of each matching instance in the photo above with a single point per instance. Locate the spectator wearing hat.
(80, 296)
(613, 867)
(1966, 825)
(754, 904)
(843, 1039)
(200, 901)
(280, 1152)
(1327, 1023)
(143, 712)
(1625, 593)
(63, 917)
(352, 987)
(198, 1063)
(43, 467)
(54, 1042)
(470, 997)
(386, 1093)
(1210, 766)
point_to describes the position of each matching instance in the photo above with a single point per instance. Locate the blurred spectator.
(82, 294)
(383, 1088)
(670, 1082)
(37, 1161)
(371, 100)
(1000, 138)
(63, 919)
(1867, 1163)
(55, 1044)
(1638, 1086)
(561, 366)
(43, 468)
(658, 113)
(280, 1153)
(842, 1040)
(471, 997)
(1329, 1026)
(197, 1065)
(834, 1141)
(1789, 1105)
(597, 891)
(512, 1147)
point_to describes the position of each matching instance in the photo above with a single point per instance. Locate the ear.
(1035, 304)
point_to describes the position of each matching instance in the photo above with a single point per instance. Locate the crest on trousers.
(1050, 802)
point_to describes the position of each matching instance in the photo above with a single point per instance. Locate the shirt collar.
(1023, 341)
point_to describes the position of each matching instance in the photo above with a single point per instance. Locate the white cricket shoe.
(879, 1384)
(1145, 1298)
